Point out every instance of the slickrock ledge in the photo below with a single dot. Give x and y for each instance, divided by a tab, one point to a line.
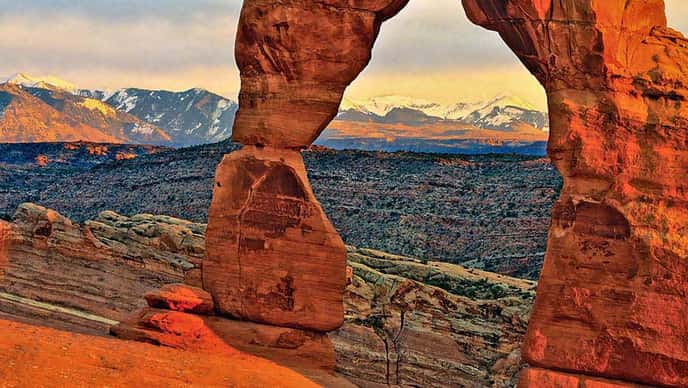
42	357
460	326
104	266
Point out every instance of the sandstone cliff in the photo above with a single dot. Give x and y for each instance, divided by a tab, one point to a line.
612	293
407	321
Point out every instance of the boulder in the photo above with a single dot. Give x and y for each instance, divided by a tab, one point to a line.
180	297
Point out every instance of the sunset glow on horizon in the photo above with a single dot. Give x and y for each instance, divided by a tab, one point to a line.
429	51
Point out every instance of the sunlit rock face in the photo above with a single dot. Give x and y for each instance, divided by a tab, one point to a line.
272	256
296	58
612	298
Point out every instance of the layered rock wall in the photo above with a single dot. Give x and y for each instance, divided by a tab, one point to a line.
103	267
613	290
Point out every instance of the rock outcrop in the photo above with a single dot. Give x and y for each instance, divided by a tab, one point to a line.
429	324
613	293
103	267
272	256
407	321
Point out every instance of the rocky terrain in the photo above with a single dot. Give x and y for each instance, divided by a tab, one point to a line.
488	212
408	321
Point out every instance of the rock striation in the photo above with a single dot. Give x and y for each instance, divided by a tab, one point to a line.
613	292
406	320
272	256
103	267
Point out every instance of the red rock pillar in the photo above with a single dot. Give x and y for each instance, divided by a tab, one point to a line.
613	295
272	256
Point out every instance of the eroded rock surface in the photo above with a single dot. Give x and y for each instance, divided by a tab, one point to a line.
296	58
612	298
182	298
459	327
430	324
103	267
272	254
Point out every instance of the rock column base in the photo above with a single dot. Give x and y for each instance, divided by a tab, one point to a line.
543	378
272	256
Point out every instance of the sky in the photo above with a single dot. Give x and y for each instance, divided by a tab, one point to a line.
429	51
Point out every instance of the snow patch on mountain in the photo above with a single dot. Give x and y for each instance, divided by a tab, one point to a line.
45	82
143	129
194	116
122	101
500	112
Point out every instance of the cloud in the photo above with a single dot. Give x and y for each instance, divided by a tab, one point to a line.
429	50
110	11
122	41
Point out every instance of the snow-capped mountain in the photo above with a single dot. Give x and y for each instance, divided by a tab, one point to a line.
45	82
39	114
195	116
191	117
502	112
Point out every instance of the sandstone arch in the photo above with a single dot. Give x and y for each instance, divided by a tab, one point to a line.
613	294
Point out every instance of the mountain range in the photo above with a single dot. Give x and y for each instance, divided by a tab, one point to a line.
503	112
41	109
44	109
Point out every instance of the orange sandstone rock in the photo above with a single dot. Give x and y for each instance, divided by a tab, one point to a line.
40	357
180	297
613	294
272	256
542	378
296	58
612	299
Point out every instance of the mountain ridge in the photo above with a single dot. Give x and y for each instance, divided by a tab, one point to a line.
504	123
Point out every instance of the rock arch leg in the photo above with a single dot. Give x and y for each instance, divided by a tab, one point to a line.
272	255
613	294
